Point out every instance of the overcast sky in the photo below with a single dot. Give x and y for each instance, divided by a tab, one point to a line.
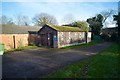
80	10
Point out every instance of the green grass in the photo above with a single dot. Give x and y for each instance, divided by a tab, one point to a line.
103	65
29	47
80	45
22	48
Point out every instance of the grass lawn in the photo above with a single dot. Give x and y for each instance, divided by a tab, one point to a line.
22	48
29	47
103	65
80	45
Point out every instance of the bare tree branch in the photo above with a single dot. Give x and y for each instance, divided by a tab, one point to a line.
22	20
6	20
69	18
44	18
107	14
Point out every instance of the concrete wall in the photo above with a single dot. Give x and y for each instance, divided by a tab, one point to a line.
70	38
89	37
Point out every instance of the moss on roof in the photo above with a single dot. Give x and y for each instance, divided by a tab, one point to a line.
66	28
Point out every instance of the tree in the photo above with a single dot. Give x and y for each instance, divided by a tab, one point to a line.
22	20
117	19
81	24
107	15
26	21
6	20
96	24
69	18
44	18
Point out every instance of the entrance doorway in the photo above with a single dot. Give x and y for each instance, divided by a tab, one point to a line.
51	40
44	40
47	39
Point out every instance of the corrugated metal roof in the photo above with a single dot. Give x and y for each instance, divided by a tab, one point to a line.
12	29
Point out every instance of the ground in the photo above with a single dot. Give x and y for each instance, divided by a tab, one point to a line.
37	63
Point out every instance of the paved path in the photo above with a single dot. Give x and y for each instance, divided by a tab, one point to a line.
36	63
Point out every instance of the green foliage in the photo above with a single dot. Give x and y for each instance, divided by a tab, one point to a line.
97	38
117	19
103	65
29	47
96	24
65	28
82	25
22	48
105	37
32	44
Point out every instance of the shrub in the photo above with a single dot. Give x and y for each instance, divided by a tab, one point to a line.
114	37
105	37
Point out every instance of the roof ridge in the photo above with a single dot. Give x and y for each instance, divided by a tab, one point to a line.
6	29
65	28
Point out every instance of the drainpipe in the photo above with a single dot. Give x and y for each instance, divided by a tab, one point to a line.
14	41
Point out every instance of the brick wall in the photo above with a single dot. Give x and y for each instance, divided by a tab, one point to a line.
19	41
70	38
63	39
33	39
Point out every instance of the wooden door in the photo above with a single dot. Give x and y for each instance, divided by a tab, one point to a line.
44	40
51	40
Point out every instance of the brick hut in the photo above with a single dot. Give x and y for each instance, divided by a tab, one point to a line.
60	36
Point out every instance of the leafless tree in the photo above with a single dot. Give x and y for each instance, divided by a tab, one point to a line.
5	20
44	18
69	18
22	20
107	15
